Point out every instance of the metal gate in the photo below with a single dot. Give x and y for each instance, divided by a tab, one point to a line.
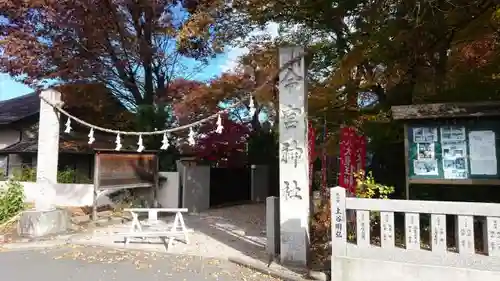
229	186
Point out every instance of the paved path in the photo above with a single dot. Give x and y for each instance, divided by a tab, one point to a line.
76	263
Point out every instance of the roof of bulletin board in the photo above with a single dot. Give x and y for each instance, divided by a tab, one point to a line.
445	110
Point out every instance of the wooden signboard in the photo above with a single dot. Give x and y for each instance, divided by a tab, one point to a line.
115	170
451	143
125	170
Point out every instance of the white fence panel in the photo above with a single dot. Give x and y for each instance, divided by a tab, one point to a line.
390	261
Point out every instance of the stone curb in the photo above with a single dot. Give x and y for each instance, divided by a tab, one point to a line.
319	276
34	245
59	239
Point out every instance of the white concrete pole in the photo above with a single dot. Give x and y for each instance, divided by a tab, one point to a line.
48	148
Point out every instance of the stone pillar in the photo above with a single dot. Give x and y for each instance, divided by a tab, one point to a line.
294	165
170	192
196	189
272	226
48	147
339	230
260	183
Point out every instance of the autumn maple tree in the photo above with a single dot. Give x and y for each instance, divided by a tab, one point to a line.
135	48
196	100
224	149
94	103
255	77
384	53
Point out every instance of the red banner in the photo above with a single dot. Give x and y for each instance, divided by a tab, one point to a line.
346	150
352	157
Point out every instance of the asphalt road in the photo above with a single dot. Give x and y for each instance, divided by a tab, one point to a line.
78	263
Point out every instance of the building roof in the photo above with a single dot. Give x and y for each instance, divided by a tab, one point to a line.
91	102
18	108
445	110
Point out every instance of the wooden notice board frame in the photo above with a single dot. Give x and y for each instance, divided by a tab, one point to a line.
470	117
116	170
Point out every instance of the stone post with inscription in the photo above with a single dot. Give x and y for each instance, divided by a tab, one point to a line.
294	165
339	230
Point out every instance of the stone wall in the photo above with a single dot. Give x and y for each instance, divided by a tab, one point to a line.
74	195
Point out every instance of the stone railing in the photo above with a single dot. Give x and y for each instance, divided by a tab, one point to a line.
365	233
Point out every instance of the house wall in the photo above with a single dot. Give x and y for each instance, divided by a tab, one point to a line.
80	195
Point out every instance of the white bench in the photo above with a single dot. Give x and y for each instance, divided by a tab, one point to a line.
137	228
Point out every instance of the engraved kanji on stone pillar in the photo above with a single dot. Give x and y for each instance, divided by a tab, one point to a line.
294	165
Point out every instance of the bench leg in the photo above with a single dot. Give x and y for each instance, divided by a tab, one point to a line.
152	217
170	242
164	240
173	229
136	225
183	228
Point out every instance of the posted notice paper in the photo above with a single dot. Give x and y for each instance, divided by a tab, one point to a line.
482	153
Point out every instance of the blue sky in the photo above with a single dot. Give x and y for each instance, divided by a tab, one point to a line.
9	88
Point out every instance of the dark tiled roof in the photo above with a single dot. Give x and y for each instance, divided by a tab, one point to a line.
31	146
445	110
19	108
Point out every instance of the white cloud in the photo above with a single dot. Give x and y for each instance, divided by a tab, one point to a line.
235	53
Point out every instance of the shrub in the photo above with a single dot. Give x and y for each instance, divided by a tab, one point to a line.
72	176
24	174
3	175
366	187
11	200
28	174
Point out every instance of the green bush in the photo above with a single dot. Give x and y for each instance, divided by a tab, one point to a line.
3	175
11	200
366	187
72	176
27	174
24	174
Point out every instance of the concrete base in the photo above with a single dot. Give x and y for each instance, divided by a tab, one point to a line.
280	272
34	223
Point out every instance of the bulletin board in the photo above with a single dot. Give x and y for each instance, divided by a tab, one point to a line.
453	151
